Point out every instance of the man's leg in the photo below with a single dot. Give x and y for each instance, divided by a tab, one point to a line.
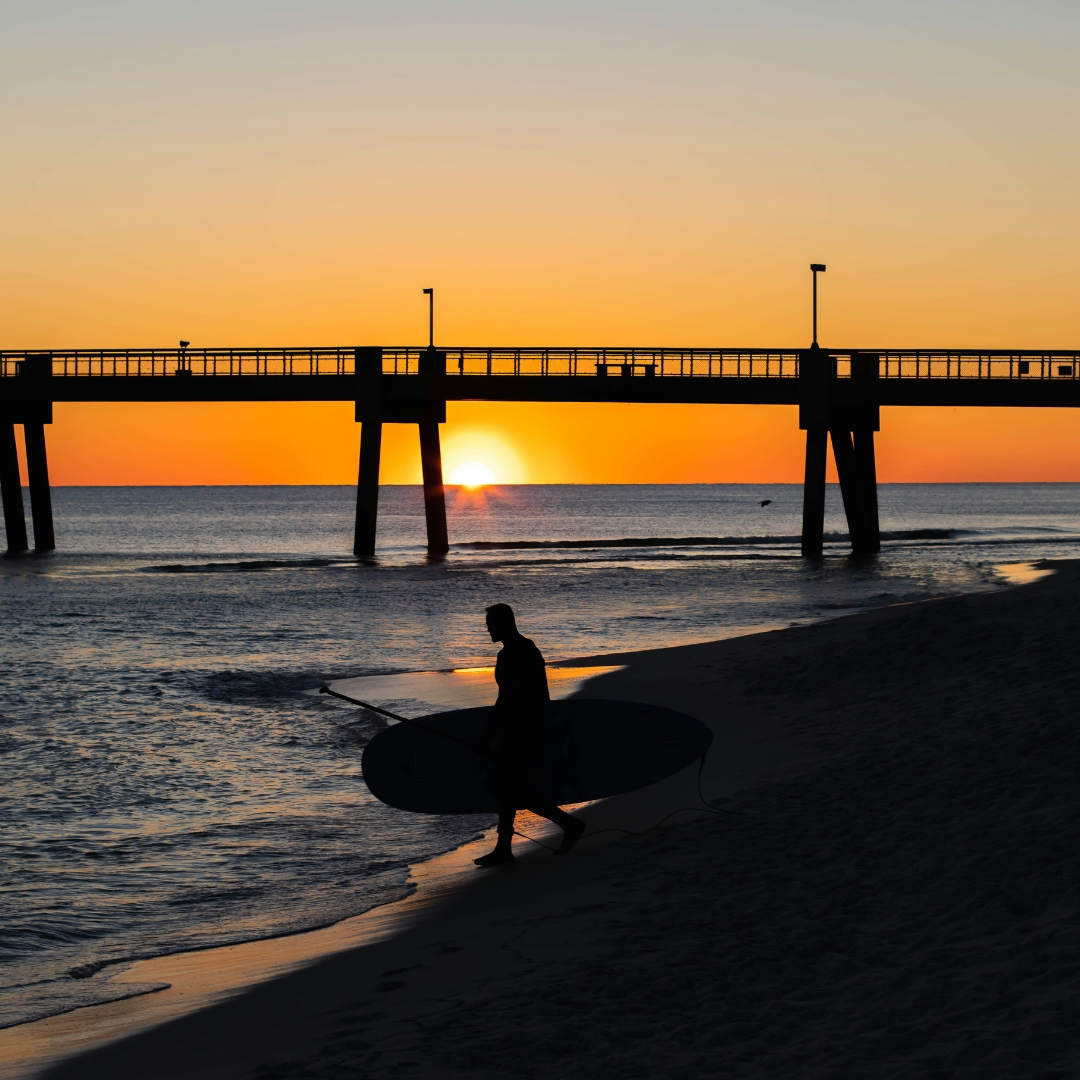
552	813
571	826
508	806
507	815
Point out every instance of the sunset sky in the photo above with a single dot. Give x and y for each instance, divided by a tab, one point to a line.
598	173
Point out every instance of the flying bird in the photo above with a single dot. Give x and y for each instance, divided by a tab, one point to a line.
765	502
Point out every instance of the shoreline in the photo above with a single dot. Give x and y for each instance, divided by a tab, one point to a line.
202	978
185	972
197	979
754	750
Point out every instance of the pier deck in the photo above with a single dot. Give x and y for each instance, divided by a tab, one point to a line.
839	393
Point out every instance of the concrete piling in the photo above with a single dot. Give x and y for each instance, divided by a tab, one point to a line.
434	494
367	488
813	523
11	488
37	468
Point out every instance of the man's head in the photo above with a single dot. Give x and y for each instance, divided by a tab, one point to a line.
500	622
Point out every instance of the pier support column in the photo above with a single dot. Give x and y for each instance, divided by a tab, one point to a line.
35	376
866	470
367	488
813	514
850	489
37	468
369	415
434	495
815	370
11	487
865	372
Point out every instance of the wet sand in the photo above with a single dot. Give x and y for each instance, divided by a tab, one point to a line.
889	887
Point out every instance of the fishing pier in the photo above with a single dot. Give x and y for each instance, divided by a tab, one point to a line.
839	394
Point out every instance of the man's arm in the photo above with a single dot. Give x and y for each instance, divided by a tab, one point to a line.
491	728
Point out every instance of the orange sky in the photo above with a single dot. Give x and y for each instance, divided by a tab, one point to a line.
602	174
528	443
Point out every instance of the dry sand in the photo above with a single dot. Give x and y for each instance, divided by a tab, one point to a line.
893	891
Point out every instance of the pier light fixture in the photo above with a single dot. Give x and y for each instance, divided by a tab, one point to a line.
183	367
430	294
815	269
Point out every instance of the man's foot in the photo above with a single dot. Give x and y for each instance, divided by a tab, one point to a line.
571	836
495	858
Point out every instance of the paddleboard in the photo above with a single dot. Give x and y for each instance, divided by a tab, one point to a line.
595	749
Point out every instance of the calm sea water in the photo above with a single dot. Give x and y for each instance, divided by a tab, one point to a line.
167	781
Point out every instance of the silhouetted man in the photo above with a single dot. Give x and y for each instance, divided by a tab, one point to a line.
518	730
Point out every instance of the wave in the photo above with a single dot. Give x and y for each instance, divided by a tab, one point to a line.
254	687
764	544
924	534
691	541
626	542
659	558
249	566
57	997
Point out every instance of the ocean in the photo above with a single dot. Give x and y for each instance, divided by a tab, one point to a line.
168	780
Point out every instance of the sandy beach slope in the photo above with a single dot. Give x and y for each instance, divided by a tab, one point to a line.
892	892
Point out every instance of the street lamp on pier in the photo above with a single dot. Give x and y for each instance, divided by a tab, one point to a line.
430	294
815	269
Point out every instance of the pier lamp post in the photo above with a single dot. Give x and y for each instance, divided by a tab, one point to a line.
815	269
430	294
183	367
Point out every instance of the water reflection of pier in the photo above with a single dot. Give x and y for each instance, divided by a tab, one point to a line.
839	393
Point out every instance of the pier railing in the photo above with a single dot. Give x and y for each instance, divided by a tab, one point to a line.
933	364
406	361
613	363
951	364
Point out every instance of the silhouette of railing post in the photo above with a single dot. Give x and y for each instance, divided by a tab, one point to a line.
11	488
38	367
369	413
433	390
814	374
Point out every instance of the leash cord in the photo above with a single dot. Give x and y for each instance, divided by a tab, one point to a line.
705	805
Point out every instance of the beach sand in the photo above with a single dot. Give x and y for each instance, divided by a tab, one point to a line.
889	887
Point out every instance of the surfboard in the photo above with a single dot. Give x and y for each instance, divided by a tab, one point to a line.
595	748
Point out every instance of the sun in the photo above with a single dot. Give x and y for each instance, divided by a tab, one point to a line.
477	458
472	474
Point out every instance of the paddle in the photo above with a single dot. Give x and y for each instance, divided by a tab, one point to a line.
403	719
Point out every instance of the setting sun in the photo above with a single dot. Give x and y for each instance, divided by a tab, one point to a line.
476	454
472	474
